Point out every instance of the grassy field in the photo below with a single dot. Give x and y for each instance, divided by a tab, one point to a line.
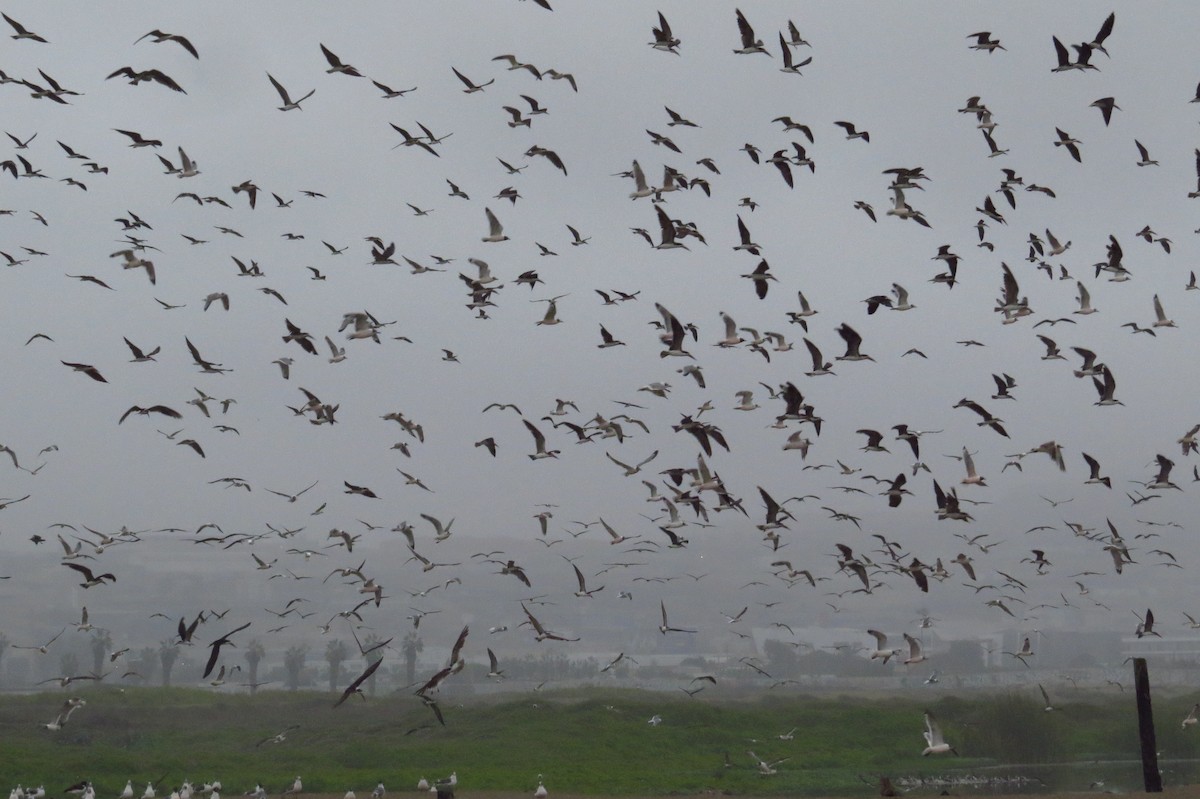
595	742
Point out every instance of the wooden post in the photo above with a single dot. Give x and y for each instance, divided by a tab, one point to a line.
1151	776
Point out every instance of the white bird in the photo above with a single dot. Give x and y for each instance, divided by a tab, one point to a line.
551	316
1191	719
441	531
881	652
187	167
134	262
337	354
539	441
1055	247
972	478
495	229
902	210
1025	651
1045	698
632	470
935	744
1085	300
763	766
494	666
64	714
1160	317
915	655
541	792
745	401
639	180
901	294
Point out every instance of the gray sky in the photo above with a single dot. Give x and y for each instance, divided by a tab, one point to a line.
898	74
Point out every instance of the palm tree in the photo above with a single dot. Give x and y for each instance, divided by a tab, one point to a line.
336	653
254	654
373	655
411	646
146	664
101	644
168	651
69	663
293	664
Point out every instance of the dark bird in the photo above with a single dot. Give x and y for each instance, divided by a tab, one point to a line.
161	36
471	87
216	649
542	633
162	409
92	279
665	627
152	75
853	344
288	103
361	491
663	38
1106	106
761	277
21	31
1105	29
852	132
86	369
137	140
1072	145
1146	625
336	65
390	93
984	41
300	337
191	442
353	687
750	44
91	580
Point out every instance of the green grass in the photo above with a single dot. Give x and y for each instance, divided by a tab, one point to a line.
587	741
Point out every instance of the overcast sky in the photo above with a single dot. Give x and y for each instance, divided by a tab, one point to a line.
901	72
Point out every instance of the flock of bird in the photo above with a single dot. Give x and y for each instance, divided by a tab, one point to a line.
242	350
84	789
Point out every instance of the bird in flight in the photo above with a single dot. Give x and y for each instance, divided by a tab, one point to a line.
288	103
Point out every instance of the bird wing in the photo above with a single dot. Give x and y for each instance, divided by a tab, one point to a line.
279	88
352	687
539	439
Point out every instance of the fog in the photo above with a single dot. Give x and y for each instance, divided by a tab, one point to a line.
208	515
